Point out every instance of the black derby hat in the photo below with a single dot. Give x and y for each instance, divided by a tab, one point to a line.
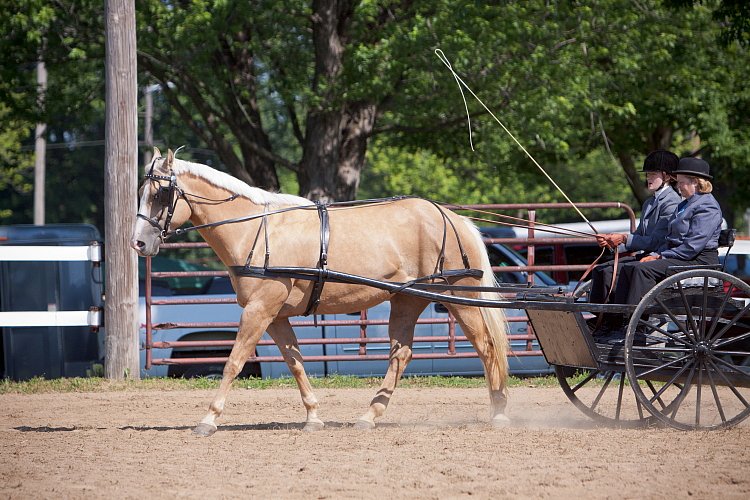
694	166
660	160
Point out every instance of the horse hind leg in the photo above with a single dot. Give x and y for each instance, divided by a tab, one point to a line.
405	311
486	329
283	335
253	323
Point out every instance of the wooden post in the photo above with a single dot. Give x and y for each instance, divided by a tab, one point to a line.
120	187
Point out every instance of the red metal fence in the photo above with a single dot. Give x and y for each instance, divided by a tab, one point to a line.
363	340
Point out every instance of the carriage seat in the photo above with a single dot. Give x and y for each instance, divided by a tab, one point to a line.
726	239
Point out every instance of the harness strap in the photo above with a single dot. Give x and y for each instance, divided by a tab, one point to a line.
314	274
464	256
614	275
320	280
440	264
262	226
451	273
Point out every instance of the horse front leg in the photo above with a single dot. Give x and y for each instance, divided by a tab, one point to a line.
283	335
405	311
253	322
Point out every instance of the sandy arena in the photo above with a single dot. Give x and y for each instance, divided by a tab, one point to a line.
432	443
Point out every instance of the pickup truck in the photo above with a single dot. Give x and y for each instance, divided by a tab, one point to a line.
436	325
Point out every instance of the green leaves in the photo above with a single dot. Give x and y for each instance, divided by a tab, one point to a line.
242	79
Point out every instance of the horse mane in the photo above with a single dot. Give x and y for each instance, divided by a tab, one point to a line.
232	184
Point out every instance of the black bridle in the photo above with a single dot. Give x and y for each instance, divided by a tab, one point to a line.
166	197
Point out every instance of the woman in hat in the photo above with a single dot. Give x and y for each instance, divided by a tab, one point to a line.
648	236
692	236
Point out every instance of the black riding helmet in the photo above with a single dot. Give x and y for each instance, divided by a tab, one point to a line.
660	160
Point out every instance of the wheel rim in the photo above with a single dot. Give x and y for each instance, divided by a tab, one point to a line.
695	371
604	397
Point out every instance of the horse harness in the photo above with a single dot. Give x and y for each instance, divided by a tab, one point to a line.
320	274
167	197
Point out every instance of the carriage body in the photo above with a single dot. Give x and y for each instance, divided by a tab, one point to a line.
689	369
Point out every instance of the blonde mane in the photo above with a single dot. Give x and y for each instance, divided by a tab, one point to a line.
234	185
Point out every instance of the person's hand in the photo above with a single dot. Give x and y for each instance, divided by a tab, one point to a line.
649	258
616	239
610	240
602	240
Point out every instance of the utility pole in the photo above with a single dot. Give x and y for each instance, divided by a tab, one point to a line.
120	186
40	147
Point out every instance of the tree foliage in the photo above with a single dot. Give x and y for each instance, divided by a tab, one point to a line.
312	95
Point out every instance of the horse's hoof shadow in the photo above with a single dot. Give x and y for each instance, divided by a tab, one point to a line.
364	425
204	430
313	427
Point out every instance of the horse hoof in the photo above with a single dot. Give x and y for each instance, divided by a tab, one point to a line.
500	421
204	430
313	426
364	425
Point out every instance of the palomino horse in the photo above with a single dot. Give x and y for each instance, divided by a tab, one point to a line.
396	241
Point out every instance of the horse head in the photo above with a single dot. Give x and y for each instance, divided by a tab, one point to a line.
162	204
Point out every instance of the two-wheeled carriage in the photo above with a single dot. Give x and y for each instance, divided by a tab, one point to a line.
686	354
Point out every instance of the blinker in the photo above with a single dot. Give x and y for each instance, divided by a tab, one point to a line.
163	196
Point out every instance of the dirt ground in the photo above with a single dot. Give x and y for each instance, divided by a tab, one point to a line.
432	443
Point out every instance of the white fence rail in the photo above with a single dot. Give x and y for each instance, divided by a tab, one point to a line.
23	253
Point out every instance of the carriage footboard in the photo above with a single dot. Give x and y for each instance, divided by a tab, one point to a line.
562	335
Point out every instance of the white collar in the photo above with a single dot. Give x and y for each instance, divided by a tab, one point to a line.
661	189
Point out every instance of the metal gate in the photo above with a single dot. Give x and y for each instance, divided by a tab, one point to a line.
363	322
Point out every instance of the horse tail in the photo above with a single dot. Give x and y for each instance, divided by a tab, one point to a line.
494	317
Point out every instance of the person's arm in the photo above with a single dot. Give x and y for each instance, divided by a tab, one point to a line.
703	224
650	242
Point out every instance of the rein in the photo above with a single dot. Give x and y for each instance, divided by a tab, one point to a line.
168	196
354	203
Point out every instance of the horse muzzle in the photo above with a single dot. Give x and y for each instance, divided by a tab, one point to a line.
145	240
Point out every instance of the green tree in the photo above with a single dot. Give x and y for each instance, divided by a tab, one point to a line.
295	93
69	39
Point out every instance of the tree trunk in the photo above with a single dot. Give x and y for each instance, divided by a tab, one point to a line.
355	133
335	133
634	177
660	138
120	186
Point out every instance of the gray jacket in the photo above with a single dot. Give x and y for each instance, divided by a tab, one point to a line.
652	228
694	227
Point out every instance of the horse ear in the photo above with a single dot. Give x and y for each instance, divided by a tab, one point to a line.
170	159
157	153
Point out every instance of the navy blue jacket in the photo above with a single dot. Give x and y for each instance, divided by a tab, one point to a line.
655	216
694	227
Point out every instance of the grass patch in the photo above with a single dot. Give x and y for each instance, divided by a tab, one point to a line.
97	384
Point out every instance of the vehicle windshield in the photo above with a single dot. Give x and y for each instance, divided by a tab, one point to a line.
176	286
502	256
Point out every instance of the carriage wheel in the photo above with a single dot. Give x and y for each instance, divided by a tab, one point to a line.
604	396
694	371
